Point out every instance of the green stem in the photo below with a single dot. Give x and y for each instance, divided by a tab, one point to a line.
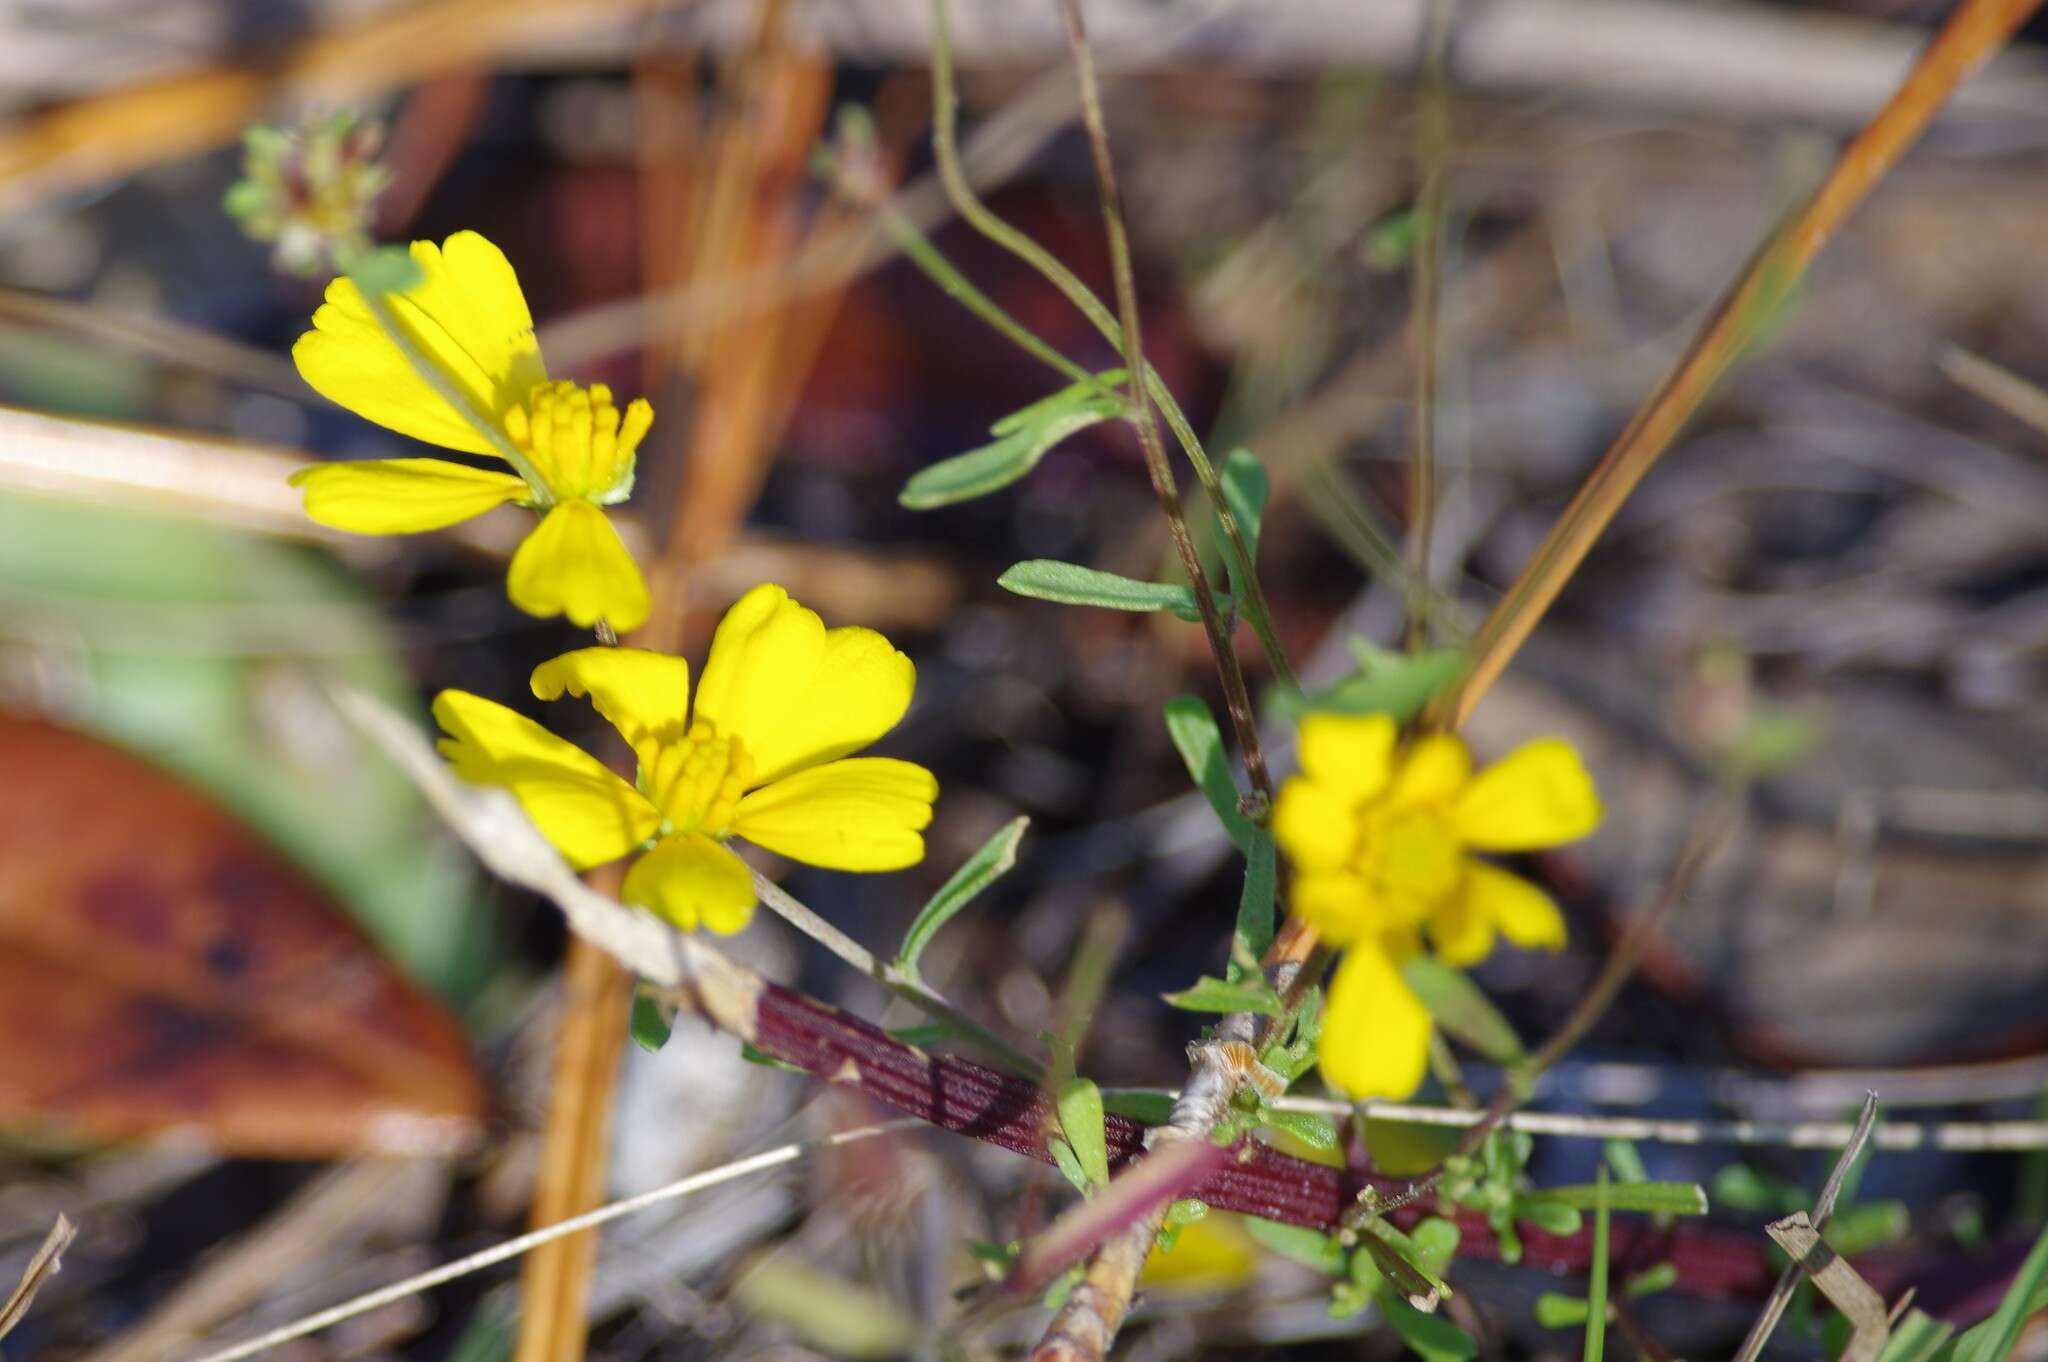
946	150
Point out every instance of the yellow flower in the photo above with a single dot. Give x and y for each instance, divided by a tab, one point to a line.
1380	840
468	319
763	755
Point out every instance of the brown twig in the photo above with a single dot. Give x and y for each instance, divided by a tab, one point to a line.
1432	135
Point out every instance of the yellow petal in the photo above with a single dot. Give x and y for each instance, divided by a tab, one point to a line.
1524	914
1462	930
1208	1255
590	814
1375	1030
401	496
575	564
1314	824
467	318
794	693
1435	768
1337	904
645	695
1539	795
1352	754
692	880
864	813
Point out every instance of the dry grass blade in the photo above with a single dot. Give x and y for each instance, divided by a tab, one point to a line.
46	1264
1832	1276
548	1234
1999	386
1823	1208
1976	30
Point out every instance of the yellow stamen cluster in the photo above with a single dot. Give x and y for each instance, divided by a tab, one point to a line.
577	441
697	780
1409	859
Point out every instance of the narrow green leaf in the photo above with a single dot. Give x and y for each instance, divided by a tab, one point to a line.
1048	579
651	1023
1199	740
1994	1339
1023	438
1460	1008
1867	1225
1080	1108
1432	1337
1916	1338
1244	490
1657	1198
1555	1310
1596	1294
1256	905
1069	398
1310	1247
1146	1108
975	874
387	269
1625	1160
1069	1163
1391	1255
753	1054
925	1033
1211	994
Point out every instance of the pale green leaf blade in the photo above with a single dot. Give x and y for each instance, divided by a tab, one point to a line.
1210	994
1199	740
1080	1108
1460	1008
996	856
1048	579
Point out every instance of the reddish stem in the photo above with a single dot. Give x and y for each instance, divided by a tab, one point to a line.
964	1097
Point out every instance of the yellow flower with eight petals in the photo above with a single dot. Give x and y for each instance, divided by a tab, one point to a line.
763	755
1380	840
468	319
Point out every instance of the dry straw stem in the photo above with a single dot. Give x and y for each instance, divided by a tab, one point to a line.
46	1263
1823	1209
1976	30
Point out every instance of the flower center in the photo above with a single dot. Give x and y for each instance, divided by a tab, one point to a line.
1410	858
697	780
577	441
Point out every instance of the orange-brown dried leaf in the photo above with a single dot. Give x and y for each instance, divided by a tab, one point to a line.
163	969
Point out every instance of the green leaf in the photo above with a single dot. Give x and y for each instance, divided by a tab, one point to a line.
1255	906
1552	1217
1073	397
1596	1294
1069	1163
975	874
387	269
1211	994
1555	1310
1657	1198
1867	1225
1436	1243
1313	1130
1147	1108
1625	1160
1742	1187
1386	683
1432	1337
1993	1340
925	1033
1023	438
1062	1286
1310	1247
753	1054
1199	740
1460	1008
651	1022
1651	1280
1916	1338
1048	579
1080	1108
1244	491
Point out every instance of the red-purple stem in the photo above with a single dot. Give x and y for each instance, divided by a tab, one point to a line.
966	1098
